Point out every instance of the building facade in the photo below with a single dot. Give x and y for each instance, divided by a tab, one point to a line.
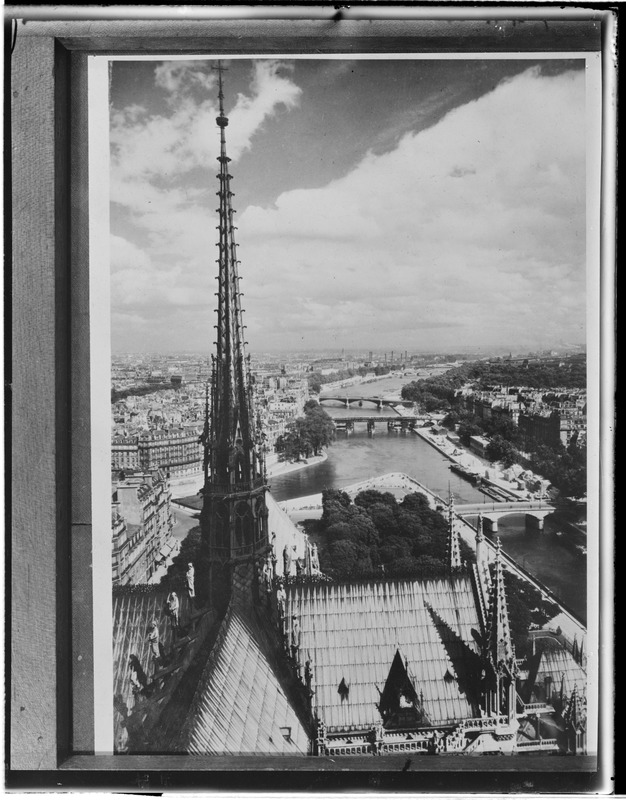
142	525
176	451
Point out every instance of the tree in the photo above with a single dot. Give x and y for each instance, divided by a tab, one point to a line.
405	567
427	566
468	429
393	548
451	419
343	558
335	507
294	444
342	530
505	428
370	497
317	428
415	503
499	449
384	519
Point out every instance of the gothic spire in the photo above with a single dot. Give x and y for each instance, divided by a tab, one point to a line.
453	548
499	644
233	459
234	512
573	713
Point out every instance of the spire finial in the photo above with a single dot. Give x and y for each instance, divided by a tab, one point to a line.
222	120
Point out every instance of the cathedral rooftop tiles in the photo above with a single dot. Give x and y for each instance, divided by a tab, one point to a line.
351	632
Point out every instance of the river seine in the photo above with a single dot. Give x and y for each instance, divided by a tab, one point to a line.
358	456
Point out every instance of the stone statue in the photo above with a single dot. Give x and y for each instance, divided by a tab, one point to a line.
287	561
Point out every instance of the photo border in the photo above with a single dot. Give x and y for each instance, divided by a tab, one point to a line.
50	726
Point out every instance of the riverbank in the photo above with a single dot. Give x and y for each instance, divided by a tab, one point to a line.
275	467
399	484
490	474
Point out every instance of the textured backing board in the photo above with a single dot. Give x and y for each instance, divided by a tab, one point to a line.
40	405
81	557
327	36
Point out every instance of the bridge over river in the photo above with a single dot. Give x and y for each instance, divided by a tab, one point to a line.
534	511
379	402
399	422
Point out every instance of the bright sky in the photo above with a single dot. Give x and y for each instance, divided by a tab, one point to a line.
391	204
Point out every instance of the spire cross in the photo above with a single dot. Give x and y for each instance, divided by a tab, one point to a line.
220	69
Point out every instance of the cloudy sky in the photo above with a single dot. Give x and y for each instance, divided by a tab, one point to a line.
389	204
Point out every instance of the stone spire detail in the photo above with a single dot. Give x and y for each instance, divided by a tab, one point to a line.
575	720
453	545
500	696
482	562
234	513
572	713
499	643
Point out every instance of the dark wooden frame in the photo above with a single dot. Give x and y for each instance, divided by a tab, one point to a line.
51	695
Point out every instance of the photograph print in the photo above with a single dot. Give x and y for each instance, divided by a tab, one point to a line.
350	331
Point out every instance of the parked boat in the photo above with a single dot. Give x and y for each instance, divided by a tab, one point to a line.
469	474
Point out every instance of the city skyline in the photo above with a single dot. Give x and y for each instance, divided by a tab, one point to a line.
439	204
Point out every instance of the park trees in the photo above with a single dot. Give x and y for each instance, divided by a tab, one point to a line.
306	435
406	539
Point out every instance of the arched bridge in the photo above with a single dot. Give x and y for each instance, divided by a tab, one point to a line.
534	510
399	422
379	402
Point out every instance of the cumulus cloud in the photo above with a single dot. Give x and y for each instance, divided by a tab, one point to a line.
151	153
469	232
479	221
183	76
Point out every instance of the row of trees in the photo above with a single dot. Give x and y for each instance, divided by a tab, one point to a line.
307	435
437	393
569	372
432	394
377	535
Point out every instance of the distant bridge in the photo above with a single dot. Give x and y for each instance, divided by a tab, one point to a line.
400	422
534	510
379	402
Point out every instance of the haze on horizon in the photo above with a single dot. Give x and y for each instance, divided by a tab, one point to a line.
409	205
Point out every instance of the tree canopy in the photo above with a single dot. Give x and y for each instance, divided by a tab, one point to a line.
386	537
438	393
307	435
